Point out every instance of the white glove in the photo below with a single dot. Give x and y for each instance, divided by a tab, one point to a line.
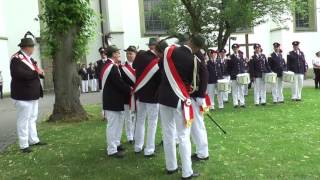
200	101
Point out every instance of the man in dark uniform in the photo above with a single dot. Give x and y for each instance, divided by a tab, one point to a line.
258	68
236	66
198	129
172	119
277	65
215	69
92	77
297	64
222	58
147	102
100	64
128	75
26	89
114	92
83	72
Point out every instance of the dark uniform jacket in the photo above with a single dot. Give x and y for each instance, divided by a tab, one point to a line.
84	74
148	93
115	90
235	66
128	81
224	64
296	63
183	60
277	64
202	77
258	65
92	73
215	70
100	64
25	83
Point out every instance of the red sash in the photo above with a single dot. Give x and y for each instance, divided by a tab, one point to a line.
146	75
178	86
105	72
26	61
130	72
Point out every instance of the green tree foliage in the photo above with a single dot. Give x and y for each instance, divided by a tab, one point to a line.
217	19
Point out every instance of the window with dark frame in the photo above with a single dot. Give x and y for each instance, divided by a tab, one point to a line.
153	24
305	19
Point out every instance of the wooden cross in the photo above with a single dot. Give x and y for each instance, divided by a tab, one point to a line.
247	45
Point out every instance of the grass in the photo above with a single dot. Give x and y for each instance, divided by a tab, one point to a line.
272	142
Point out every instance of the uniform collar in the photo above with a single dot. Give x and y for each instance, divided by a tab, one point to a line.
188	48
25	54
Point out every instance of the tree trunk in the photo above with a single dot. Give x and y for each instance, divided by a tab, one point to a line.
67	106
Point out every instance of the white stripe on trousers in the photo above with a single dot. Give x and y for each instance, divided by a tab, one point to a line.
277	90
27	115
199	132
84	86
297	86
113	130
237	93
93	84
172	122
146	111
260	92
129	120
212	91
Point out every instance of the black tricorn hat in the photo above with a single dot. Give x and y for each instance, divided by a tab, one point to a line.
161	46
131	49
295	43
255	46
27	41
276	45
111	49
198	40
152	41
235	46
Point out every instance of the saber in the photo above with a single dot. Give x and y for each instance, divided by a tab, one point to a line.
224	132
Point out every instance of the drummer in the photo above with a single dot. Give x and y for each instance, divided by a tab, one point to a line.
236	66
222	58
277	65
258	68
215	72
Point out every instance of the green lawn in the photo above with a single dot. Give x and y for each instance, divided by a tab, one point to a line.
272	142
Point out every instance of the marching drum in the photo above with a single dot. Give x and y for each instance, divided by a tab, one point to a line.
288	76
224	85
271	78
243	78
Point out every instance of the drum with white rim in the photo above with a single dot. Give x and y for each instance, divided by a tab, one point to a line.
288	76
224	85
270	78
243	78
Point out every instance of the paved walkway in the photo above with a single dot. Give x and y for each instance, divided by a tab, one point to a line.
8	115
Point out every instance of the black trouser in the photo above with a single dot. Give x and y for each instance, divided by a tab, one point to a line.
317	78
1	93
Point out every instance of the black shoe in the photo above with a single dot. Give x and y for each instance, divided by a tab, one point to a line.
243	106
131	142
294	99
172	172
117	155
26	150
150	155
282	102
257	104
39	144
195	157
275	102
235	106
211	110
194	175
120	148
263	104
226	102
298	99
